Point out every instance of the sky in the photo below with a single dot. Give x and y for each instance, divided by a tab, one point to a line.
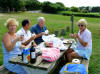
76	3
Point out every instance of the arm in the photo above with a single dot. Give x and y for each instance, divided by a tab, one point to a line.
40	34
80	40
7	42
28	41
34	44
33	30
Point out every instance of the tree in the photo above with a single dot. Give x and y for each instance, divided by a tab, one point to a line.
12	4
67	8
33	5
60	6
49	7
45	6
74	9
96	9
84	10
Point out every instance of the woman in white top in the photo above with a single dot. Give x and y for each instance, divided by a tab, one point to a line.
84	43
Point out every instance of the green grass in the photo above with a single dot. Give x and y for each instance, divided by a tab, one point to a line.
57	22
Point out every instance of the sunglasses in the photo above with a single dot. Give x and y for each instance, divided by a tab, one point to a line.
81	25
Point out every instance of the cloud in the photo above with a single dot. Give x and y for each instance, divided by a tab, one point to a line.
77	3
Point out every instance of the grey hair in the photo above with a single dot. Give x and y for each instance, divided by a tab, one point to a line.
41	18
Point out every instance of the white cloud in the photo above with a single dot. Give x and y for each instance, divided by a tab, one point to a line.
77	3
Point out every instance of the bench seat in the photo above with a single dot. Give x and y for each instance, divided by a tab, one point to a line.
3	70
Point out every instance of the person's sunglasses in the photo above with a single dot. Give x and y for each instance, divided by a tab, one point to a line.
81	25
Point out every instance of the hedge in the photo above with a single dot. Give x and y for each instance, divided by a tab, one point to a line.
67	13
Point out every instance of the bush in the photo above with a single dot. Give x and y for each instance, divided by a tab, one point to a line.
60	6
12	5
67	13
74	9
33	5
49	7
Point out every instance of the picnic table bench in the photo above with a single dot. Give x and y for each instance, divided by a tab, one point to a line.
3	70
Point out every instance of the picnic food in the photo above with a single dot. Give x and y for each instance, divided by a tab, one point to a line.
46	44
68	41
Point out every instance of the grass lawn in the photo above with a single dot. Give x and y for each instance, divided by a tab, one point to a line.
57	22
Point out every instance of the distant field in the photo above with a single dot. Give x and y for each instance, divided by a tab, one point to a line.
57	22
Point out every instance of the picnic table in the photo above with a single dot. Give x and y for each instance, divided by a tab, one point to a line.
40	66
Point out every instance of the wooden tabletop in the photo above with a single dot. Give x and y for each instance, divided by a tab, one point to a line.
38	64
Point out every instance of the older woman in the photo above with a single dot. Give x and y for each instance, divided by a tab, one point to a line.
11	44
84	42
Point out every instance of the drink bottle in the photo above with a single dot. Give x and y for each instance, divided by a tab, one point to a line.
32	54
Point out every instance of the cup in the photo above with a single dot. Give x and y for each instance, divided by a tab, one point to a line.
22	37
46	31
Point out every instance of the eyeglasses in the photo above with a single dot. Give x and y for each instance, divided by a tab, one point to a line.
81	25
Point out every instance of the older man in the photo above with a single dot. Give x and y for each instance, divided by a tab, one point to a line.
39	30
84	42
28	37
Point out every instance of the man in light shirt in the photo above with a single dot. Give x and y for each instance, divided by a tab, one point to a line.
24	31
84	43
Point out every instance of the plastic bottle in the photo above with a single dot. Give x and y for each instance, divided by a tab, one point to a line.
25	53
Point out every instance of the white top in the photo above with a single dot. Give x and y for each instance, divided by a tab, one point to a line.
27	35
86	37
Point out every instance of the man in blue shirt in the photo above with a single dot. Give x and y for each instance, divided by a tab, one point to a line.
39	30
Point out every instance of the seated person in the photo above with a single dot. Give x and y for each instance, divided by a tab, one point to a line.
84	43
39	30
11	47
28	37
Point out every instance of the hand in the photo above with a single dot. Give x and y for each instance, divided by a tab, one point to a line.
75	35
33	36
23	46
46	31
20	38
71	35
35	45
42	33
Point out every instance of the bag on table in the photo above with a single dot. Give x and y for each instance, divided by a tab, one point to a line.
51	54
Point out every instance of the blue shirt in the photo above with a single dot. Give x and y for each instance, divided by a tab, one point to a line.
37	30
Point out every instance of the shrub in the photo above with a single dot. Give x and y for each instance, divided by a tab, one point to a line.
33	5
49	7
74	9
67	13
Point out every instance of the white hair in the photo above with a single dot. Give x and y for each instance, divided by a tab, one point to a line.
41	18
83	21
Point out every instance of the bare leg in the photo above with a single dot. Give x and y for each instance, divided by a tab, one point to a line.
67	53
73	55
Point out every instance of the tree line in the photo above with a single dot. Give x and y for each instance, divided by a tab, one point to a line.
47	7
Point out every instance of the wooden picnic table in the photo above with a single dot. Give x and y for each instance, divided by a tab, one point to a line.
40	66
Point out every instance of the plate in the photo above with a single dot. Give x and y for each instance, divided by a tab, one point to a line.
67	41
